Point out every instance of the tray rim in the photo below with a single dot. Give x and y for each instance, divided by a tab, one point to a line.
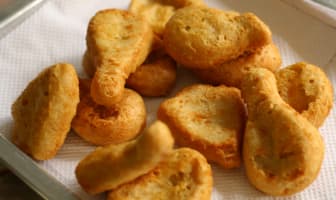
20	13
39	183
33	175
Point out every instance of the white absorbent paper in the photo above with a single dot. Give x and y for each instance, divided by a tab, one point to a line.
56	33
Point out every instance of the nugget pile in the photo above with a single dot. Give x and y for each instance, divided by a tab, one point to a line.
248	111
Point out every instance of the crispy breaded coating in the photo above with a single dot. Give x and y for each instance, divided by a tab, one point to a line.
282	150
88	66
209	119
111	166
184	175
117	43
307	89
201	37
155	77
102	125
232	72
42	114
158	12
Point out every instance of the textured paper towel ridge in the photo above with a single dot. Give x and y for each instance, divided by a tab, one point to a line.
57	31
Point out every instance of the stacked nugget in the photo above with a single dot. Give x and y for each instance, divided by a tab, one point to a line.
157	76
282	150
117	43
220	46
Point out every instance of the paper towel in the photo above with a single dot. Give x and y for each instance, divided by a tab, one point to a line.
56	33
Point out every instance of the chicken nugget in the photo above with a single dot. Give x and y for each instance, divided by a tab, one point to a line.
282	150
202	37
42	114
307	89
111	166
88	66
117	43
155	77
158	12
231	73
102	125
209	119
184	175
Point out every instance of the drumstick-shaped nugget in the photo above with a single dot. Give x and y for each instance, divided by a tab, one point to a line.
282	150
117	43
108	167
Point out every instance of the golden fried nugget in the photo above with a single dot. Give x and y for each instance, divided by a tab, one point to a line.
307	89
201	37
111	166
183	3
184	175
109	125
156	77
158	12
88	66
231	73
117	43
209	119
282	150
42	114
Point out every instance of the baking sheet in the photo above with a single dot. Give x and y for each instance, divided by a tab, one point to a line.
13	12
56	33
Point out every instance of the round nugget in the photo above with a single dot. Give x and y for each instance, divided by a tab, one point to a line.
156	77
232	72
184	175
307	89
43	112
202	37
209	119
109	125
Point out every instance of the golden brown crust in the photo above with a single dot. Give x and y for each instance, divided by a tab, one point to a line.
117	43
109	125
155	77
231	73
158	12
110	166
88	66
282	150
43	112
201	37
307	89
209	119
184	175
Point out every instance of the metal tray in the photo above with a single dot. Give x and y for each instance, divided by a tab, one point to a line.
35	177
13	12
299	36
